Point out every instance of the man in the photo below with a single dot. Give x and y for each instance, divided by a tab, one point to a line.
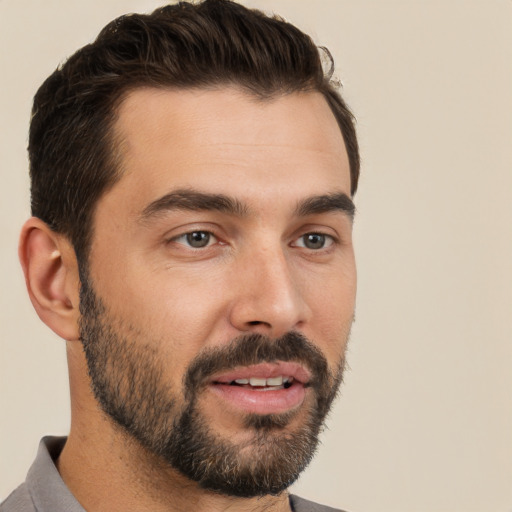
192	173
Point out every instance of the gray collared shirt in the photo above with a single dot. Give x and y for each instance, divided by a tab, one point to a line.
45	491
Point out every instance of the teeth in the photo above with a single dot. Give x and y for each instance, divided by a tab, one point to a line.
260	382
254	381
275	381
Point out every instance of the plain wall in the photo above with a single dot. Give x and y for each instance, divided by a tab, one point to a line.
424	422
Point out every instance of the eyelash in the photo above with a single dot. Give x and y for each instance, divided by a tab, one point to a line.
208	235
186	236
327	239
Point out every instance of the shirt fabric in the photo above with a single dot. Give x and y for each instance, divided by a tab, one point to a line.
45	491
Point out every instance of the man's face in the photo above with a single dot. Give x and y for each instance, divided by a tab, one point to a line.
220	287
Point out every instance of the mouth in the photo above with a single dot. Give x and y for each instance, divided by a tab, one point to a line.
263	384
268	388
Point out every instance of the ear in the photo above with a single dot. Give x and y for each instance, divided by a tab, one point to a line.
51	275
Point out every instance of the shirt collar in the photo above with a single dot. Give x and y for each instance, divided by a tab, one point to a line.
45	485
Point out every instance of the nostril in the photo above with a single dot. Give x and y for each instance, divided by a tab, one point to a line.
257	322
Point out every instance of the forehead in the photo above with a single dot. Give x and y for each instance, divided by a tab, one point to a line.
226	140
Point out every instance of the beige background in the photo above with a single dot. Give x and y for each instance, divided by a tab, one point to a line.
425	420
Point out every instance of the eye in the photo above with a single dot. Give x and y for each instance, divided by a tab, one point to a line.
196	239
314	241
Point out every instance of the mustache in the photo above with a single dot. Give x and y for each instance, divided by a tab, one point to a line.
249	349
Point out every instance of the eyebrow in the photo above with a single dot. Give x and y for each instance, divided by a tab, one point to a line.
193	200
338	201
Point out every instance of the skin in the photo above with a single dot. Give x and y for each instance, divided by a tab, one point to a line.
255	275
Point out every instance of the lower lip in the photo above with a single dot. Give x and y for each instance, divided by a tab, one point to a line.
258	401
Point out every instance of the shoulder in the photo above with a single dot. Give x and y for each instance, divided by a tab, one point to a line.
18	501
302	505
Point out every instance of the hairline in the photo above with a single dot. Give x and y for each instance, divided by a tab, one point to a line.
114	140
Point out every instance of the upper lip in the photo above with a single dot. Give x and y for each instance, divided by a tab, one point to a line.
265	371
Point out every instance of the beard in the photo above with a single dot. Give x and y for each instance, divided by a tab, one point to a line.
128	379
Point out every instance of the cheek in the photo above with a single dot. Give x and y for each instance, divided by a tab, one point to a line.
333	305
177	308
333	334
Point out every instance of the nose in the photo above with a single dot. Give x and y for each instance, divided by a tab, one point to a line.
269	298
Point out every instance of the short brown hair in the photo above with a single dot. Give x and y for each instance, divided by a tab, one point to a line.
185	45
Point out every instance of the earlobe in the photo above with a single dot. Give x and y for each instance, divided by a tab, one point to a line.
51	275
